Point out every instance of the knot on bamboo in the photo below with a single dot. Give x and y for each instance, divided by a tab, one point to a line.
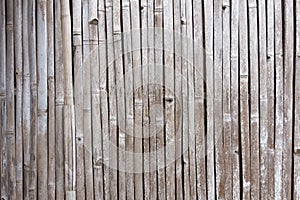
93	21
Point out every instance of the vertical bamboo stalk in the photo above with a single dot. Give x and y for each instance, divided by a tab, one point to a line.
226	6
254	101
244	105
208	24
169	97
18	95
288	16
278	99
78	93
234	60
26	101
199	98
178	102
51	100
3	154
42	152
10	101
59	102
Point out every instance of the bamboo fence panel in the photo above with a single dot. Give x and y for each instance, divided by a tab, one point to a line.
150	99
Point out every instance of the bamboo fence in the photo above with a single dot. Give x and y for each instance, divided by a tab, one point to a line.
150	99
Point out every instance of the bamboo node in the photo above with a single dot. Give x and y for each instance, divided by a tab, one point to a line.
42	112
9	26
94	21
9	133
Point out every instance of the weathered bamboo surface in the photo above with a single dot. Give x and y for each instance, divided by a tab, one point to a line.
150	99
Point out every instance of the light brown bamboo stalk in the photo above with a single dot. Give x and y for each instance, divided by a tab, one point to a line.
26	101
208	24
34	100
263	100
78	93
218	121
103	94
152	128
297	107
3	155
69	129
10	101
145	87
254	101
158	59
42	150
129	96
244	105
178	102
169	98
288	16
199	98
51	100
270	93
278	99
59	102
18	95
226	100
87	124
234	102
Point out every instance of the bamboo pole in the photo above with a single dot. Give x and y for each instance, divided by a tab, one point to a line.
59	102
10	101
51	100
254	101
78	93
288	23
3	146
226	6
34	101
278	99
234	93
178	102
18	48
244	105
26	101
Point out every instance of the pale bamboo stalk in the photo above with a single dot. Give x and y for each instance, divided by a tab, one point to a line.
10	101
270	93
208	24
26	101
78	94
129	96
288	16
263	100
254	101
152	128
120	94
69	121
234	57
103	95
226	100
158	61
87	124
42	150
178	102
51	100
3	154
34	101
95	87
297	107
218	121
185	114
279	100
111	100
199	98
169	98
145	86
244	105
18	95
59	102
